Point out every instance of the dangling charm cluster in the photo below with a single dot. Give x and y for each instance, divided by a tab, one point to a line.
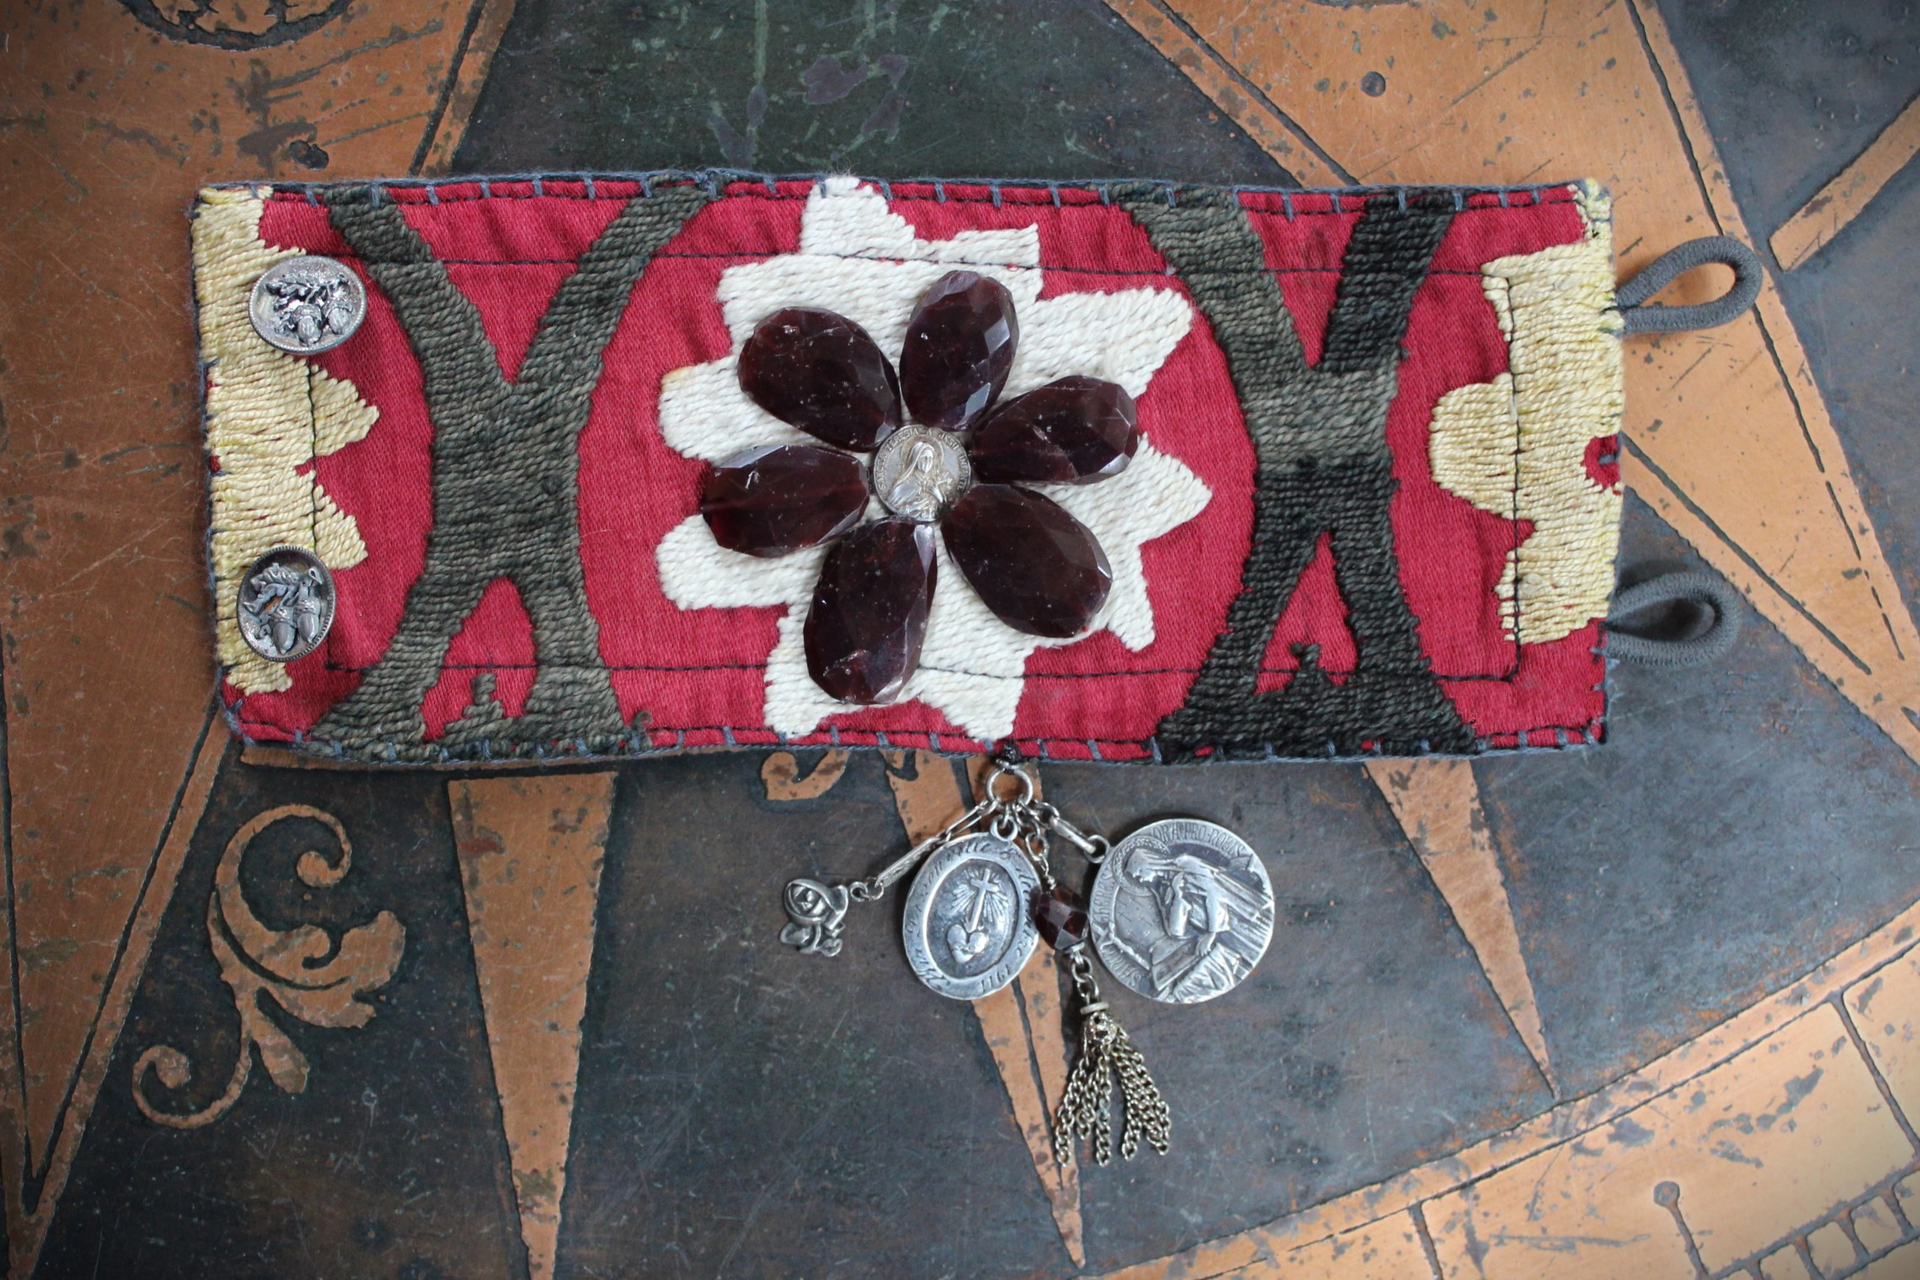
1184	915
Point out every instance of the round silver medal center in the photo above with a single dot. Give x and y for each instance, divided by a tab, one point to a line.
920	472
969	917
285	604
307	304
1182	911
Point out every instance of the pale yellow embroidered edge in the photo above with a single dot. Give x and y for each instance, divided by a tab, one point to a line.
268	414
1517	445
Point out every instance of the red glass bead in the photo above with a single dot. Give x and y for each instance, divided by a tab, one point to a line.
869	614
1061	917
959	349
821	373
1036	567
773	500
1074	431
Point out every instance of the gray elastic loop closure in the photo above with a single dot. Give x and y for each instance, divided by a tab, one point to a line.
1639	317
1644	610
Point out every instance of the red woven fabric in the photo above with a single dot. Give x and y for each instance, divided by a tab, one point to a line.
697	674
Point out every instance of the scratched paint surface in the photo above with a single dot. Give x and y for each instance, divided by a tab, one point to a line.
1743	824
392	1160
1052	89
113	114
744	1112
1818	84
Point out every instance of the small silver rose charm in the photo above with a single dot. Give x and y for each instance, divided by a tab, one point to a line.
307	304
1182	911
285	604
817	915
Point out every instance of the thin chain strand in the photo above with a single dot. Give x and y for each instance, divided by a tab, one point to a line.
1106	1054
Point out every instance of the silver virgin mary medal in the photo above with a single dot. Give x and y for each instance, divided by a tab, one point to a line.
1182	911
969	924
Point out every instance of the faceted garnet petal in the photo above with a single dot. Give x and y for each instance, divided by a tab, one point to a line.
869	613
1036	567
821	373
1074	431
959	349
776	499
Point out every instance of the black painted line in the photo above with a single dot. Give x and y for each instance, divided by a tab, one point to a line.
1695	510
1248	87
439	112
1667	1195
1418	1212
1873	1068
1673	109
119	953
13	947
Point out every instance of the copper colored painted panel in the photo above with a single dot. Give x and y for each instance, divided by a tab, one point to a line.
530	855
112	123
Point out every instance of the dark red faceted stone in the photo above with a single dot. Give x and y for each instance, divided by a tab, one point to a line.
869	611
1061	917
1074	431
1039	570
821	373
772	500
959	349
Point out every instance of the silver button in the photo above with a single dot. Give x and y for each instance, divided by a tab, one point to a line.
307	304
285	604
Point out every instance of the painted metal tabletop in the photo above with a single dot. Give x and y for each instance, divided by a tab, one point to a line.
1642	1010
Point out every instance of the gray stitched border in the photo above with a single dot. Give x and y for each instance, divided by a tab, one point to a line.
714	180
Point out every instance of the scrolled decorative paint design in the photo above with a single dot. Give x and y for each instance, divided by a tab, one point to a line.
303	970
226	25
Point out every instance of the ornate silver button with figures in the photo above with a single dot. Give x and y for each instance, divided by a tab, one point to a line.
919	472
969	927
307	304
1182	911
285	604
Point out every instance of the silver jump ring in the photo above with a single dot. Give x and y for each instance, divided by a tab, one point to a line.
1026	786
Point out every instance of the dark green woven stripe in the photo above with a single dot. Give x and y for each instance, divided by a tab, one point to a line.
1323	467
505	470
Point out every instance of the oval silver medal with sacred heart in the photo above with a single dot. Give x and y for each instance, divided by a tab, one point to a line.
969	924
1182	911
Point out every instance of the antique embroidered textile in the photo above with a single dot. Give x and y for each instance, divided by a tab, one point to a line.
1374	507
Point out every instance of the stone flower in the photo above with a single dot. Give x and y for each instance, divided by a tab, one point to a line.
1006	409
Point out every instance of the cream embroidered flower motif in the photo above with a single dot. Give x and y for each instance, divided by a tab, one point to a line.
861	263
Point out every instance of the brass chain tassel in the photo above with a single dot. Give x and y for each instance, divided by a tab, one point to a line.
1104	1047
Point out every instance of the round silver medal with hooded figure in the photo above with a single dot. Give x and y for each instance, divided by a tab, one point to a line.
919	472
1182	911
969	924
